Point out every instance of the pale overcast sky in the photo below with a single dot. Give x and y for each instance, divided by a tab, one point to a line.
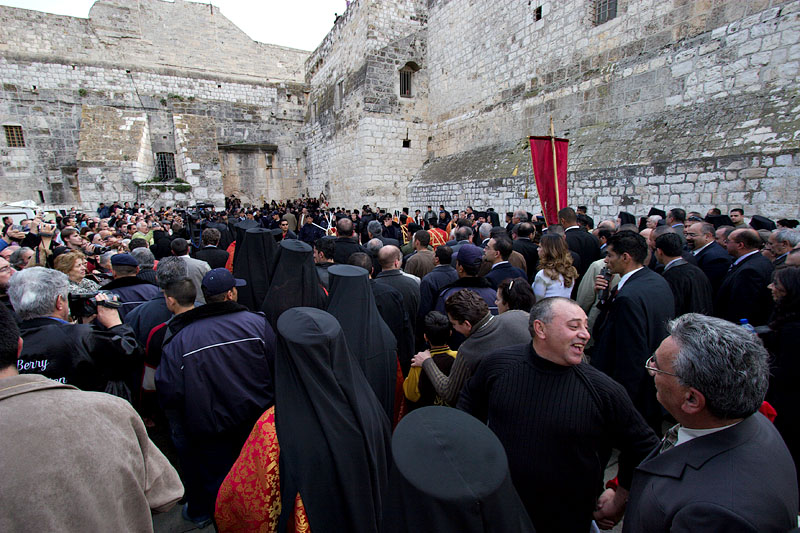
295	23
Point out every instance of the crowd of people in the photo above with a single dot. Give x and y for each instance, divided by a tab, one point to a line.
297	366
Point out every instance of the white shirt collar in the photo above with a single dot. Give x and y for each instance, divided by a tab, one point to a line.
572	227
668	264
498	264
687	434
695	252
745	256
626	277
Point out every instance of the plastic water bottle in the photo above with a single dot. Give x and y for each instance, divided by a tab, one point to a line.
747	325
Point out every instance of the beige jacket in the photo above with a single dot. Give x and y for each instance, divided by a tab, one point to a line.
77	461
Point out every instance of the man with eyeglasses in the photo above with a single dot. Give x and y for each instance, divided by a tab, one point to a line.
711	257
724	466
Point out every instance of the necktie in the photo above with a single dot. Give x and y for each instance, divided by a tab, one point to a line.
670	438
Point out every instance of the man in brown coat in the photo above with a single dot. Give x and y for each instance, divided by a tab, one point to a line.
421	263
74	460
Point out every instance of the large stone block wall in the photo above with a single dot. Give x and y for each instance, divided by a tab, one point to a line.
52	67
662	86
355	135
148	34
766	184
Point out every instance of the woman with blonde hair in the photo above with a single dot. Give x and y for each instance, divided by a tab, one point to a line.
73	264
556	275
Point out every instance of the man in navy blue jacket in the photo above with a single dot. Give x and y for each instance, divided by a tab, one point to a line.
214	381
498	250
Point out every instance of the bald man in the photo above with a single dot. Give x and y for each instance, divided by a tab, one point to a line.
390	258
743	292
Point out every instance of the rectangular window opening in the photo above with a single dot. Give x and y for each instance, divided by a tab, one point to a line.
41	197
604	10
340	95
406	143
405	83
537	13
14	137
165	166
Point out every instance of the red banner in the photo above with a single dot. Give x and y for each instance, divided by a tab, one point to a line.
542	158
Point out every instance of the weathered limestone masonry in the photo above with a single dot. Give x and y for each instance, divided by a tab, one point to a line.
672	103
98	98
365	140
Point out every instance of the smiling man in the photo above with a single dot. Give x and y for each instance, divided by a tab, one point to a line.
556	417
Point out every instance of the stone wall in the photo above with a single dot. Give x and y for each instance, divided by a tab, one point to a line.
688	103
364	141
138	60
148	34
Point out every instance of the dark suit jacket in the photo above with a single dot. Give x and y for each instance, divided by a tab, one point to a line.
690	287
212	255
406	286
714	261
530	252
628	331
738	479
388	240
585	245
744	293
343	248
780	262
502	272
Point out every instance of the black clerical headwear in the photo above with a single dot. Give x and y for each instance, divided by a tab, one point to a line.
371	341
295	282
758	222
333	434
255	263
719	220
450	474
626	218
240	229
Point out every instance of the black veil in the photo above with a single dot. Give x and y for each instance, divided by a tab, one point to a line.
295	282
333	434
240	228
255	263
371	341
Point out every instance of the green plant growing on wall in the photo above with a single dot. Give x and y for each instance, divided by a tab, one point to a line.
82	92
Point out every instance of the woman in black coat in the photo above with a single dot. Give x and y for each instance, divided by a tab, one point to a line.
781	341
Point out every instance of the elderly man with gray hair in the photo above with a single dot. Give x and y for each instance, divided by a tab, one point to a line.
375	230
146	260
781	241
84	355
724	466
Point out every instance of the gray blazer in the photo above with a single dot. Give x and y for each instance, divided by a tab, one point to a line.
739	479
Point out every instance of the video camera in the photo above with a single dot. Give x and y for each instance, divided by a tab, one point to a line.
84	305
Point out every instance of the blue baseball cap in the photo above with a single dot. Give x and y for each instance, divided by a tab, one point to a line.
469	254
123	260
220	280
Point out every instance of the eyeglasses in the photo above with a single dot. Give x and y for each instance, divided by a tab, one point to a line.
651	368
